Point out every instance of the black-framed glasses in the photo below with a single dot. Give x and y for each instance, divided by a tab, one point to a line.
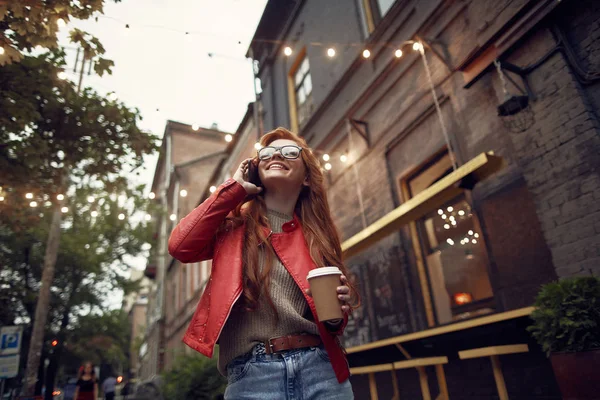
288	151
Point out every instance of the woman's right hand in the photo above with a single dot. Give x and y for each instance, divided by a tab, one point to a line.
242	174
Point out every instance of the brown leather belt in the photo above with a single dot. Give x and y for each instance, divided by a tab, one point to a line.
291	342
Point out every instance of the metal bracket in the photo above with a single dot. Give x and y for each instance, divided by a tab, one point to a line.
362	128
515	69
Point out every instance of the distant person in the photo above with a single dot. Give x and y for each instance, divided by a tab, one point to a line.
108	387
87	384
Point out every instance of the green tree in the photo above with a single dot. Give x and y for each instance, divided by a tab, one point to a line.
59	138
26	24
193	377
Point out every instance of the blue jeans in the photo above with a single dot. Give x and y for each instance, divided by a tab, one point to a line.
303	374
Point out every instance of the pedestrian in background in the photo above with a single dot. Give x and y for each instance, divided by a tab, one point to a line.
87	384
108	387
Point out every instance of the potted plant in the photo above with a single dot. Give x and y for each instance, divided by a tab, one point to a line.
566	324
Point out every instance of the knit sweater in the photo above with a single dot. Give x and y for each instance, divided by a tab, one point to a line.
245	329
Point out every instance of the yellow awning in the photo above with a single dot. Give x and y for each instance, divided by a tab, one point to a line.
465	177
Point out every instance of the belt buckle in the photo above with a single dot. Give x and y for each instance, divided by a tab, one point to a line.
270	345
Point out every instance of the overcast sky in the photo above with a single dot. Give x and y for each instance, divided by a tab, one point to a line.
158	66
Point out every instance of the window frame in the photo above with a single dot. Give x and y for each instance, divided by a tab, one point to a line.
293	89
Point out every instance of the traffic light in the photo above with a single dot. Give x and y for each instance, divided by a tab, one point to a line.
119	379
54	343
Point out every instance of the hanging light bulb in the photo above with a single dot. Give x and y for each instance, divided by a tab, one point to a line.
62	75
440	211
331	52
64	210
470	232
195	127
212	189
94	213
1	198
417	46
446	226
112	96
476	235
257	146
450	209
61	23
91	199
121	216
287	51
461	212
148	217
366	53
183	193
328	166
151	195
450	242
1	51
33	204
398	53
343	158
29	195
60	197
228	138
325	157
172	217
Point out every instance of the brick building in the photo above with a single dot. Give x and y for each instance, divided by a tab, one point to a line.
485	250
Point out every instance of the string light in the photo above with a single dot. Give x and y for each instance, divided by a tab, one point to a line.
172	217
29	195
470	232
366	53
398	53
121	216
94	213
325	157
212	189
61	23
461	212
228	138
1	198
444	216
257	146
287	51
1	50
474	241
183	193
417	46
60	197
64	210
151	195
195	127
476	235
33	204
62	75
112	96
91	199
343	158
450	242
148	217
331	52
440	211
446	226
327	166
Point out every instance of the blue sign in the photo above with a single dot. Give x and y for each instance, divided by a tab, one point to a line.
10	339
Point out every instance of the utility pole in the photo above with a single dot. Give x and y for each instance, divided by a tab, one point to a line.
52	244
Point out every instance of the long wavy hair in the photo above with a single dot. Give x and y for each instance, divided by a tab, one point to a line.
312	208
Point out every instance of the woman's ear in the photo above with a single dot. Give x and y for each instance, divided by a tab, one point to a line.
306	181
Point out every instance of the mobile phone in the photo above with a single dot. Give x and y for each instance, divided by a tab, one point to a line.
253	173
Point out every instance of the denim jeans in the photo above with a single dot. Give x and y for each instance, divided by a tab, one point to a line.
303	374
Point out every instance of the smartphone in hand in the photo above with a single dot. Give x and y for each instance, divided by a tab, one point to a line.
253	174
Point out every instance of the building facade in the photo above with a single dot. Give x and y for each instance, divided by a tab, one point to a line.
397	96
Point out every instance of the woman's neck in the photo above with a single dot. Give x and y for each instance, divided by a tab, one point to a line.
282	201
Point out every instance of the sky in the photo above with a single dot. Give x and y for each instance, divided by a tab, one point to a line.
167	74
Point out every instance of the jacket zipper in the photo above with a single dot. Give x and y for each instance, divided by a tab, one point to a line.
226	318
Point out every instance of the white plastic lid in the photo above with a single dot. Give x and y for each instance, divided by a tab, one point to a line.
323	271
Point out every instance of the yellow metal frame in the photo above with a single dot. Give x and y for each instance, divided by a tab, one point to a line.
292	90
429	199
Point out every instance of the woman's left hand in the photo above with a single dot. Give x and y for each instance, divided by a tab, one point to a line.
343	294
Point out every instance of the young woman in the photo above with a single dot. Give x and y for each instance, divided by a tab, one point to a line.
265	229
87	385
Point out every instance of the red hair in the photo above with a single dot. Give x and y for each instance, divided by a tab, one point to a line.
312	208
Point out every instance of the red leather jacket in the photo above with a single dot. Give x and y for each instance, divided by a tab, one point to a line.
195	239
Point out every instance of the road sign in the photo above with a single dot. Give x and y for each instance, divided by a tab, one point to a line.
10	340
9	366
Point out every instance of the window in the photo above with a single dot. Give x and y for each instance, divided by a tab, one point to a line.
300	92
375	10
452	249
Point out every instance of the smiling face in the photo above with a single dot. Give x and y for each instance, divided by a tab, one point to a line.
279	172
87	368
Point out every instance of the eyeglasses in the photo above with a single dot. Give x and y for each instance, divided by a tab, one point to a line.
289	151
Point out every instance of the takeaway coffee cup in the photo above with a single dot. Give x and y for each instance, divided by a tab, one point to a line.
323	286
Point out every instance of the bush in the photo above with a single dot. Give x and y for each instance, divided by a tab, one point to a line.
193	377
567	317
